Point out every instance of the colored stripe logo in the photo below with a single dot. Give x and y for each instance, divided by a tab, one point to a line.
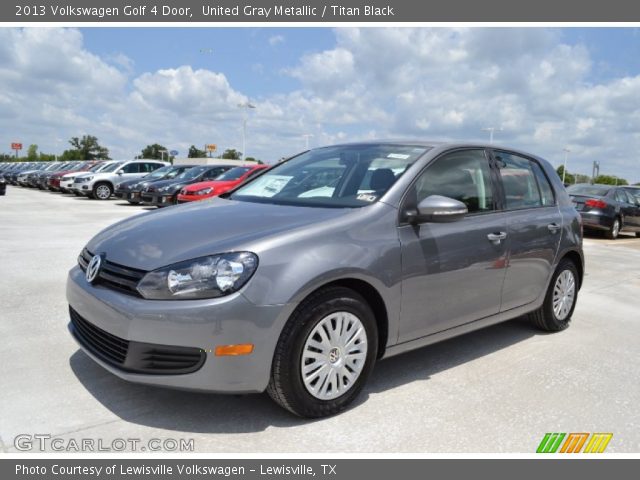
573	442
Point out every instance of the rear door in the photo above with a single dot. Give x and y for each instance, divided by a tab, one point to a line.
534	227
453	272
628	209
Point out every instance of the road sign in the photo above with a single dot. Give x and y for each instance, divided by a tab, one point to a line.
173	153
211	147
16	146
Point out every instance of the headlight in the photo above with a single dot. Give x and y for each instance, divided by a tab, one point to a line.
204	191
205	277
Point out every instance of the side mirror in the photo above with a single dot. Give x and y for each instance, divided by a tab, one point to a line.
437	209
120	172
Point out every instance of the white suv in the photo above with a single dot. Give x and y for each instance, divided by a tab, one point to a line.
100	185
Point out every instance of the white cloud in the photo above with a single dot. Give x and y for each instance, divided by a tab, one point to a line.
275	40
374	83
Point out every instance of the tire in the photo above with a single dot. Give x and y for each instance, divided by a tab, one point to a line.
546	317
338	306
613	232
637	234
102	191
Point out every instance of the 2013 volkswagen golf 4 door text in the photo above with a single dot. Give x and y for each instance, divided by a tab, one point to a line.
297	281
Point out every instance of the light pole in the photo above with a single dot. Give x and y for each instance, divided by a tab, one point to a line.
307	136
162	152
564	170
491	130
246	105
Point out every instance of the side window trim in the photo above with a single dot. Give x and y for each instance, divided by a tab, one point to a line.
503	199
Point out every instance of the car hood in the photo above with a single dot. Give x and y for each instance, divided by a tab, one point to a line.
171	183
184	232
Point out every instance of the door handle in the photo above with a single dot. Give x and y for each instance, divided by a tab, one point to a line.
496	238
553	227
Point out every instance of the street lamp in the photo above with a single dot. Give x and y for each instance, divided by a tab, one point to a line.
491	130
564	170
246	105
307	136
162	152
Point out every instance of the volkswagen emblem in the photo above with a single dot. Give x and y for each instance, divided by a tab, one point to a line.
93	268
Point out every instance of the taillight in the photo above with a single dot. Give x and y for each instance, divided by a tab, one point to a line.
593	203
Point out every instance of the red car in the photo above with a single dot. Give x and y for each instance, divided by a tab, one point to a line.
223	183
53	182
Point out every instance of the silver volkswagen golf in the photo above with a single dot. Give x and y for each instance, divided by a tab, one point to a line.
299	280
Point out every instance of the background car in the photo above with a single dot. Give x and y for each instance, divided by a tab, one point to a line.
163	193
3	186
223	183
131	190
101	185
54	180
606	208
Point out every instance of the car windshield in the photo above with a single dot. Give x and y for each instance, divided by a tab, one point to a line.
160	172
599	190
341	176
111	167
234	174
192	173
96	167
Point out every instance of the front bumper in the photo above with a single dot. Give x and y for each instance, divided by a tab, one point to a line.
200	324
157	199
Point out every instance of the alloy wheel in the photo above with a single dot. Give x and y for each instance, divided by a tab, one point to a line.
564	294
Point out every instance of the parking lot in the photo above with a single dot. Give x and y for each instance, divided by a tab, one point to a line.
496	390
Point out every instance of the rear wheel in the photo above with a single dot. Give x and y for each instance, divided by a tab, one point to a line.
613	232
102	191
556	311
325	353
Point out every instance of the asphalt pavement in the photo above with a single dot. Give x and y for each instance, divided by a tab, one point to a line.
496	390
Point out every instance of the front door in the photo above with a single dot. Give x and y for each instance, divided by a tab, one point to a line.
453	272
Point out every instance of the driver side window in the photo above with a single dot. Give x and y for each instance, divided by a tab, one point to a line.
463	175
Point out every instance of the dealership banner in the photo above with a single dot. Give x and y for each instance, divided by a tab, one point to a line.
317	11
342	469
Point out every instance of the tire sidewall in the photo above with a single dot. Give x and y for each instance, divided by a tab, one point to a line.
298	337
551	315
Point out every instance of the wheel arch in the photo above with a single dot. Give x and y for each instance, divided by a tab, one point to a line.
576	258
375	301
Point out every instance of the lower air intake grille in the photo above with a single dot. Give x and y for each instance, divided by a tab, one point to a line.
135	357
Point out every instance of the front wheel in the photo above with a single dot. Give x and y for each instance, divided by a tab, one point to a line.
556	311
102	191
325	354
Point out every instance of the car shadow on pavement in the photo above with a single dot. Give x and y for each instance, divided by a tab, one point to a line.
194	412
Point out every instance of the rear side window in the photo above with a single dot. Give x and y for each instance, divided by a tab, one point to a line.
621	196
150	167
546	192
463	176
518	181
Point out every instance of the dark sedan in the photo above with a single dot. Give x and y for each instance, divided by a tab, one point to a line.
606	208
163	193
131	190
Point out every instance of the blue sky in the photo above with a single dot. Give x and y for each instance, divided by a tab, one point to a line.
546	88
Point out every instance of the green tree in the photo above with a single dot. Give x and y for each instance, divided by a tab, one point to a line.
87	148
32	152
231	154
154	152
610	180
569	178
194	152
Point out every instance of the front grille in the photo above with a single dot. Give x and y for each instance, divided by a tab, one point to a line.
135	357
113	275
